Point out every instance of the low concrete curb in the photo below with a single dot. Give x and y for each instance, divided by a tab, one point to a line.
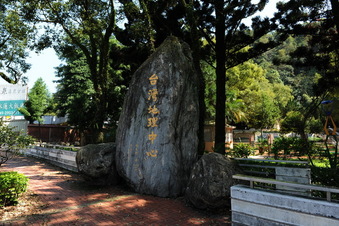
62	158
258	207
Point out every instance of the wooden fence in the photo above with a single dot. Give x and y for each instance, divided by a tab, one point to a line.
53	133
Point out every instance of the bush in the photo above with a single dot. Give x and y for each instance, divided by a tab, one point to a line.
263	146
287	147
325	176
242	150
11	142
12	184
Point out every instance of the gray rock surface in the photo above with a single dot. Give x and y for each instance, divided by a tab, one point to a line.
210	182
157	137
96	163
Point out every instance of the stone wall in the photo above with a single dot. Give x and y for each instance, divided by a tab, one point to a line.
62	158
258	207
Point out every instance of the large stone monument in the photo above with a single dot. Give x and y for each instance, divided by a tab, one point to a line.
157	137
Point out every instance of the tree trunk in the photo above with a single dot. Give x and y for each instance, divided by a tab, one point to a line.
221	78
335	11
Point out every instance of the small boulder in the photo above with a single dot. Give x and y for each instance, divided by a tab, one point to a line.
96	163
210	182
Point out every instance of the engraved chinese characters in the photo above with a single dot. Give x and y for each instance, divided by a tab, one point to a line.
154	112
157	133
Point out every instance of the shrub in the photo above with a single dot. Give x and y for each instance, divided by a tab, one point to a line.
11	142
12	184
263	146
325	176
287	147
242	150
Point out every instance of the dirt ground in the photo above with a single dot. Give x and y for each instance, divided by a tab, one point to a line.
28	204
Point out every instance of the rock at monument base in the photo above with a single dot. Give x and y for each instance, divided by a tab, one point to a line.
96	163
157	136
210	182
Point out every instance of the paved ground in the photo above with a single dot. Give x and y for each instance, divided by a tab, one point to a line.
69	201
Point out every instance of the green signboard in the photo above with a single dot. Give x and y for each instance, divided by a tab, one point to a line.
10	107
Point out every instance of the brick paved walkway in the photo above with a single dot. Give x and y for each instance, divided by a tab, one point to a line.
69	201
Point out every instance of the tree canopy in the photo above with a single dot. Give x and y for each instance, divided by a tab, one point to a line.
246	73
15	39
38	101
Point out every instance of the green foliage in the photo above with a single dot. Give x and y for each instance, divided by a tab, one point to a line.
330	151
11	142
284	147
264	146
12	184
76	91
325	176
253	98
303	120
210	91
86	41
321	49
266	114
235	107
293	122
38	101
242	150
15	38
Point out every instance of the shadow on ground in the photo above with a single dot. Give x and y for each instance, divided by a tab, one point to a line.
69	200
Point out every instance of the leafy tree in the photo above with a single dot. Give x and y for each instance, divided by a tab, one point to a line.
38	101
11	142
234	37
262	99
267	114
318	21
14	40
235	107
210	86
86	26
75	91
217	22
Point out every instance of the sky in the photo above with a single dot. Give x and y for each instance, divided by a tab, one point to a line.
43	64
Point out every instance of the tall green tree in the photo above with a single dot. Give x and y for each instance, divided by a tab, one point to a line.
227	37
267	113
14	41
87	26
235	107
263	98
318	21
217	22
75	90
38	101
